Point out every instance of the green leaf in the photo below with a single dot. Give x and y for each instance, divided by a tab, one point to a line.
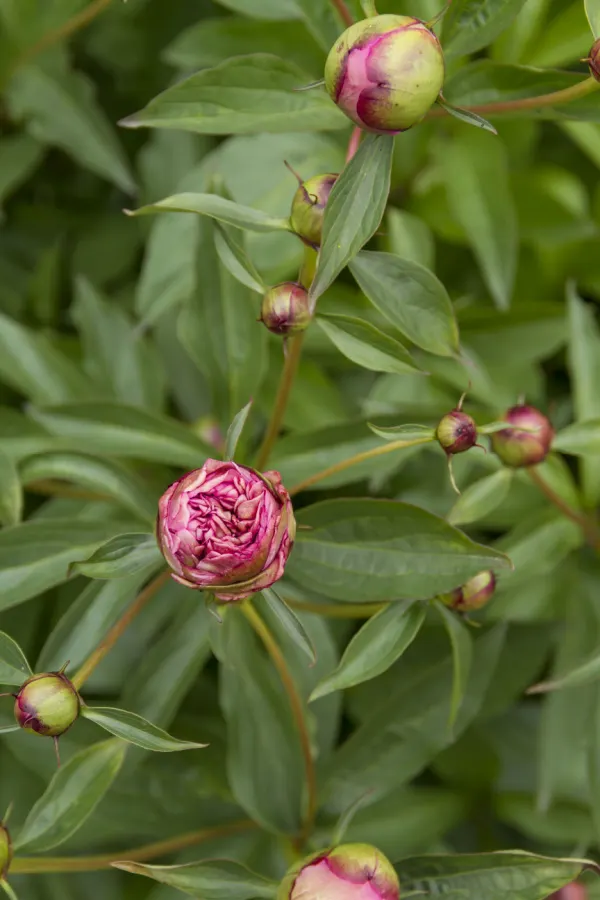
492	876
373	649
216	208
11	492
471	25
462	651
234	431
476	176
579	439
218	879
20	155
121	555
133	728
264	9
409	237
355	208
583	360
481	497
425	315
366	345
119	430
592	11
36	555
233	256
103	476
322	20
466	115
376	550
586	673
290	623
72	795
405	433
246	94
14	668
60	109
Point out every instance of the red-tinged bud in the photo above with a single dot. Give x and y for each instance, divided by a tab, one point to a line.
456	432
474	593
571	891
308	208
47	704
6	851
385	72
593	61
528	442
286	309
348	872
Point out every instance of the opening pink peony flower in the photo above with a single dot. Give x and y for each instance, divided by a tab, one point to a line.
349	872
227	529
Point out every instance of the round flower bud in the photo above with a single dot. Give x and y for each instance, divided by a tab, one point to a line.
593	60
385	73
528	442
47	704
286	309
6	851
308	208
456	432
348	872
226	528
473	594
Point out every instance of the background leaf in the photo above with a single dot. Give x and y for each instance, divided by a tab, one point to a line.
136	730
213	879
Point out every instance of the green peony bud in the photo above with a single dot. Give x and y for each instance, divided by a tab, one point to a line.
286	309
526	444
348	872
456	432
6	851
386	72
593	60
474	593
47	704
308	208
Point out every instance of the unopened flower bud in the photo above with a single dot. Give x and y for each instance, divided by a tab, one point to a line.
593	60
456	432
308	208
6	851
47	704
348	872
528	442
286	309
473	594
385	72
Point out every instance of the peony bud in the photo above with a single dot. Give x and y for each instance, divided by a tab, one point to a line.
528	443
593	60
226	528
386	72
348	872
47	704
286	309
474	593
6	851
308	208
456	432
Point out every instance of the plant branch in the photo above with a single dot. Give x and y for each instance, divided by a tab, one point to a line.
543	101
344	12
587	525
289	684
290	367
118	629
337	610
354	461
43	865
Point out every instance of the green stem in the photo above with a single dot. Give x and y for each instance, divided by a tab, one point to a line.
344	12
587	525
369	8
297	708
44	865
543	101
8	890
355	460
118	629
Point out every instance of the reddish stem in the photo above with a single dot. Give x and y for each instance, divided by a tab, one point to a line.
344	12
353	143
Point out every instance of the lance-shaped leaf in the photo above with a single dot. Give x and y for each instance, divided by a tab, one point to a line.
136	730
211	879
14	668
234	431
466	115
462	652
290	623
217	208
122	555
11	492
366	345
405	433
481	498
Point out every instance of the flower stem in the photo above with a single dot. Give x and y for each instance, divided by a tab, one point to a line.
290	367
353	143
354	460
8	890
43	865
344	12
280	664
118	629
337	610
587	525
557	98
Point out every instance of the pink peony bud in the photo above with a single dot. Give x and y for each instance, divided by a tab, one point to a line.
349	872
456	432
528	443
226	528
308	208
473	594
47	704
386	72
286	309
593	60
